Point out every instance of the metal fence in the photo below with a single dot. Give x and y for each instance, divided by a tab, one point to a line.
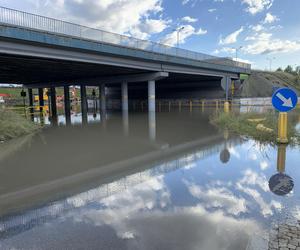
46	24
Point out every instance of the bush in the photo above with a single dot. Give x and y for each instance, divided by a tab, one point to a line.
241	124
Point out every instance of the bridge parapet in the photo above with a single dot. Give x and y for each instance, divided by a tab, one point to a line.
26	20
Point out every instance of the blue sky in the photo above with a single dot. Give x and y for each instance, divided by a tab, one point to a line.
266	29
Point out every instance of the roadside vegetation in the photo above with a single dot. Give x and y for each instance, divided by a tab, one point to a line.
13	125
262	83
260	127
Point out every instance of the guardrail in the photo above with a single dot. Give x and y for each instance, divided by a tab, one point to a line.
46	24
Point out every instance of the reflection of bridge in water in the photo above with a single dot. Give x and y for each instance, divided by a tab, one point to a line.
14	225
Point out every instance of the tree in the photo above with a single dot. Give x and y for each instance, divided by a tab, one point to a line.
279	69
289	69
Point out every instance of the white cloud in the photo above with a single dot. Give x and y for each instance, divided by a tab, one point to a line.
256	6
148	27
212	10
189	19
270	18
119	16
265	44
171	38
224	50
219	197
257	28
264	165
242	60
231	38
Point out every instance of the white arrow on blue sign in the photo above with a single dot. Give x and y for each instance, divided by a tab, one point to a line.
284	99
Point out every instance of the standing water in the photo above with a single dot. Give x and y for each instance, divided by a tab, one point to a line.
168	180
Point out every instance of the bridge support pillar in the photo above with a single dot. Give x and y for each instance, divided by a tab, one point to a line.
83	103
30	96
53	103
41	99
151	96
152	125
67	104
102	98
125	120
226	81
124	96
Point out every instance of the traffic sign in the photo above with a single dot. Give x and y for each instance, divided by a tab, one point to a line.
284	99
281	184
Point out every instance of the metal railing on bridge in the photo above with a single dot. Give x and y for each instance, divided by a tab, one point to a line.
46	24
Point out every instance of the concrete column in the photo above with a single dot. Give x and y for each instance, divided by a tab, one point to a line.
53	102
30	96
226	83
125	120
83	103
102	97
41	99
151	96
152	125
67	104
124	96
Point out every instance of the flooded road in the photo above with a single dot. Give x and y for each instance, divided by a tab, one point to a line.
168	180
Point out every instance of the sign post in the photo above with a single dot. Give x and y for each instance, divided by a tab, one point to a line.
284	100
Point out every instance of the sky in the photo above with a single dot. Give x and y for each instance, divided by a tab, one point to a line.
264	32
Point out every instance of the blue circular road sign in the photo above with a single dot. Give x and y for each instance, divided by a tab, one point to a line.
284	99
281	184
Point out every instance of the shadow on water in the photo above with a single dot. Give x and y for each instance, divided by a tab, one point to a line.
168	180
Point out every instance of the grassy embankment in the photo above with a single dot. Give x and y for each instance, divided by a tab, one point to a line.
260	127
261	83
13	125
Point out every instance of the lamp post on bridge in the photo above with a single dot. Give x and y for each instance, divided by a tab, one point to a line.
236	52
178	30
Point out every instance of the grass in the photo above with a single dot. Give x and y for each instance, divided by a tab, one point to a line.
240	124
13	125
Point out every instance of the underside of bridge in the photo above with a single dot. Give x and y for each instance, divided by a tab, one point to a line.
40	72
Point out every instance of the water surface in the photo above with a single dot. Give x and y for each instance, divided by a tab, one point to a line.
168	180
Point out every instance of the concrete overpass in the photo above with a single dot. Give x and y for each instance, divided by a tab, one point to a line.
41	52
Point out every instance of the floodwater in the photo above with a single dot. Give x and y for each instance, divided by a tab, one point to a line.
168	180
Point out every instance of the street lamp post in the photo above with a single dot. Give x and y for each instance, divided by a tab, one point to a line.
270	59
178	30
236	52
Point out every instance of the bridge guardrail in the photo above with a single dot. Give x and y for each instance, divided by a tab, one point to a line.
46	24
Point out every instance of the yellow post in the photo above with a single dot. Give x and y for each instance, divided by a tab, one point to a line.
202	104
191	106
232	88
217	104
226	107
281	156
282	128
